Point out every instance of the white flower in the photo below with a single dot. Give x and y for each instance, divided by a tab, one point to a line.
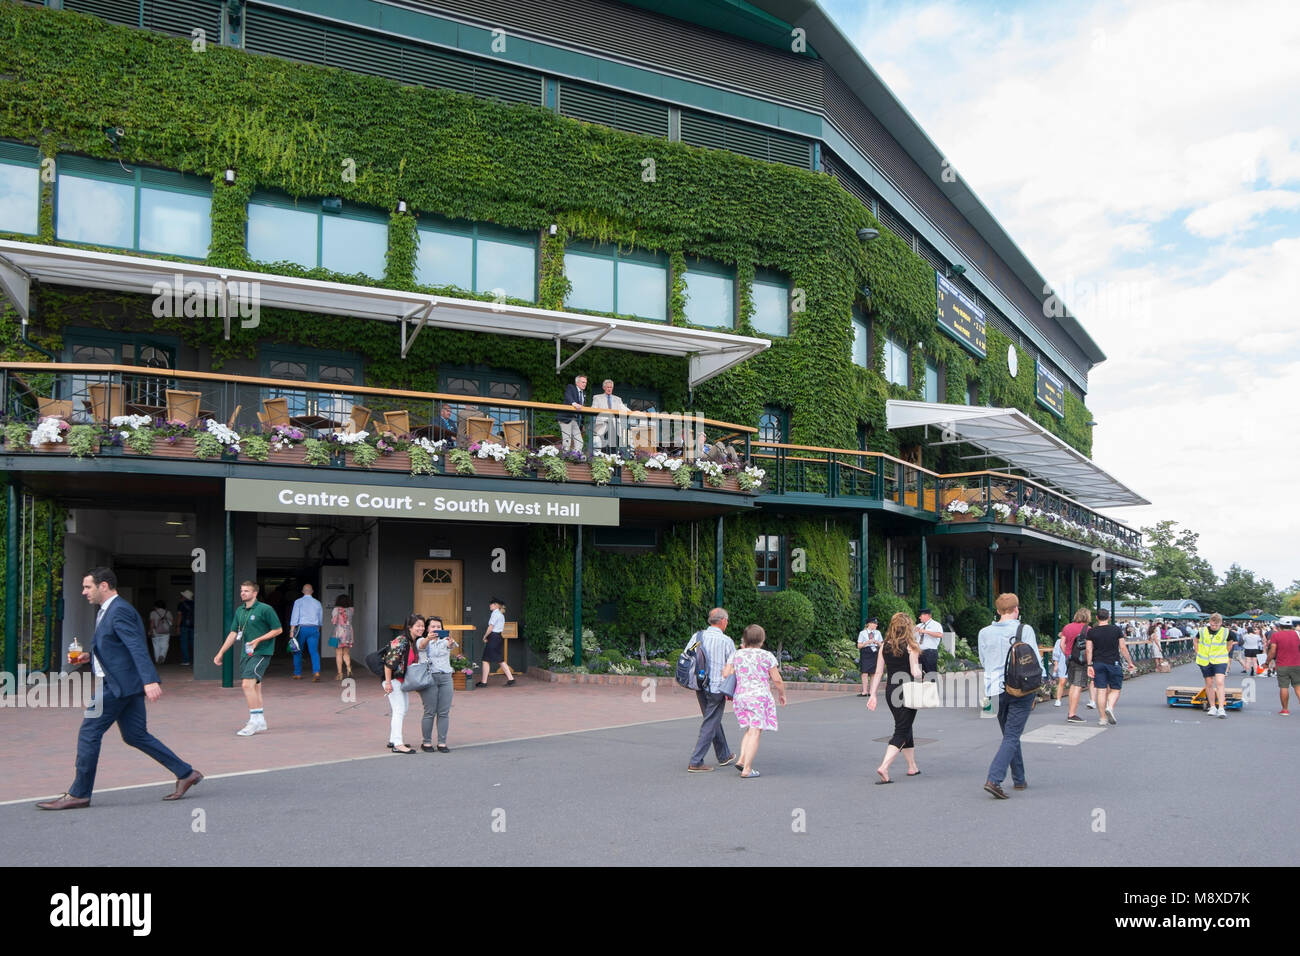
710	468
1001	508
353	438
130	421
434	448
958	506
219	431
548	451
46	433
614	460
492	450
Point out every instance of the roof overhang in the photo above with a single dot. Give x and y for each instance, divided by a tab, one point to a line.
1017	439
224	291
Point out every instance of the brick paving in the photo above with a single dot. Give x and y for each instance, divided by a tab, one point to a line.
311	723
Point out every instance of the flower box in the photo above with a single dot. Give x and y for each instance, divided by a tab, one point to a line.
397	461
580	471
659	476
179	448
489	467
293	455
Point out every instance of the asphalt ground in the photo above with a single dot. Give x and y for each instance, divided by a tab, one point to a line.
1140	793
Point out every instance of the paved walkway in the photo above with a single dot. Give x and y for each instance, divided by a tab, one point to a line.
310	724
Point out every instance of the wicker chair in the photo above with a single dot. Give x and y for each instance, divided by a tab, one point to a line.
183	406
105	401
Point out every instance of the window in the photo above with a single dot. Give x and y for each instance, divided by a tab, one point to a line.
636	399
771	298
20	188
149	210
478	258
896	365
606	279
897	568
769	561
710	294
348	241
320	368
861	340
931	381
968	576
774	425
972	393
935	575
1040	582
855	567
485	383
141	396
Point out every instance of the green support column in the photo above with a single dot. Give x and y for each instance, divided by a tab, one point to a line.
1056	599
1112	594
1015	574
717	564
925	573
1096	588
864	572
49	590
990	581
577	596
11	578
228	602
1074	593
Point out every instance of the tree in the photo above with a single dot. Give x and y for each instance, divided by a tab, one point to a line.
1176	569
1240	592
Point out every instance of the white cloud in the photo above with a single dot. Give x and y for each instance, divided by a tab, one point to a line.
1229	217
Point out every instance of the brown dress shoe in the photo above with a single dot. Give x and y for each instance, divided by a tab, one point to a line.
65	802
183	784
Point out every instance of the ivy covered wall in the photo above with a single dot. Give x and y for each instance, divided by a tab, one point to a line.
300	129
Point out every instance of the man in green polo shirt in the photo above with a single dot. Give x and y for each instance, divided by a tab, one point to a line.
257	626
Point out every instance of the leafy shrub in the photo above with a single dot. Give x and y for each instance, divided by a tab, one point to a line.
885	606
970	621
788	618
814	662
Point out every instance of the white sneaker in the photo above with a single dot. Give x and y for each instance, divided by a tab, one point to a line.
1110	715
1091	705
1101	722
248	729
1058	703
1223	712
260	720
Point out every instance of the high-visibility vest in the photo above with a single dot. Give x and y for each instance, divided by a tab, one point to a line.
1212	647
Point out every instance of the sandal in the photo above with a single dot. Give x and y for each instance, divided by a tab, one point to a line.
752	773
427	748
914	773
443	749
403	750
883	779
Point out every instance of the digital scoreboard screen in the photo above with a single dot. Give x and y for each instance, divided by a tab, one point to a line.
1049	390
960	317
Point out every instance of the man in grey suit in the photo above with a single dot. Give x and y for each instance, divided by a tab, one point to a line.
120	654
607	430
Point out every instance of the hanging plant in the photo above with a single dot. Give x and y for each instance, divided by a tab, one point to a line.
82	440
140	440
683	475
256	447
17	437
421	461
462	459
516	463
364	454
316	452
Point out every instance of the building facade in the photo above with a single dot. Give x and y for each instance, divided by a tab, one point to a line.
311	214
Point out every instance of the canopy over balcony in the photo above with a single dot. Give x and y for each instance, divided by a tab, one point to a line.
1017	439
709	352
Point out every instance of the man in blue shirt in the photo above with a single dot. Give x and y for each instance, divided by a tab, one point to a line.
718	649
304	624
1013	712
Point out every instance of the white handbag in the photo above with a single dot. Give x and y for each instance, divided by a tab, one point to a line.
920	694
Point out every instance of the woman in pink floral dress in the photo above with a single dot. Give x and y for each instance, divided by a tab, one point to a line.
756	670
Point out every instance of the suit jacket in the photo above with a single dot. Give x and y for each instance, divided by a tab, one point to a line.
120	646
571	395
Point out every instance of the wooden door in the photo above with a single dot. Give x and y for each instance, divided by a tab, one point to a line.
438	590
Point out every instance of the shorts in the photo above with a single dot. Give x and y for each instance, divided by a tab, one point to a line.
1209	670
1108	676
1289	676
1251	652
1077	674
253	667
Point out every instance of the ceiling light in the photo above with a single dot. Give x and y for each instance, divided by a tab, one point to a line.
174	519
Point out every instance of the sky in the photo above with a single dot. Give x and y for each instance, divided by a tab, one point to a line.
1146	158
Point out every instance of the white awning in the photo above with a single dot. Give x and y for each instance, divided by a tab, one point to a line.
709	352
1013	436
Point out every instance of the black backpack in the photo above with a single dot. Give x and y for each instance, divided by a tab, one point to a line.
1024	668
693	665
1079	650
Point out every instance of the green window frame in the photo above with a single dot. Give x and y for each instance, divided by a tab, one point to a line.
770	295
774	425
20	176
629	274
972	392
318	366
636	399
897	569
480	239
897	362
769	562
317	223
861	339
81	180
969	577
710	277
935	573
1040	582
96	346
931	384
483	382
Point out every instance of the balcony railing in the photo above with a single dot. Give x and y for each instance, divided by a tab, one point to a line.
87	393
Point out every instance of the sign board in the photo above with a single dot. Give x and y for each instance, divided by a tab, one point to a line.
1049	390
960	317
438	504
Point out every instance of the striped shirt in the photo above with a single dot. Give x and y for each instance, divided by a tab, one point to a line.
719	649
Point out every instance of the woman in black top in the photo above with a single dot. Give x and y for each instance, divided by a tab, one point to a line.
900	658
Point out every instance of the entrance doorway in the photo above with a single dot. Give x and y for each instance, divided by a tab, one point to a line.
438	590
